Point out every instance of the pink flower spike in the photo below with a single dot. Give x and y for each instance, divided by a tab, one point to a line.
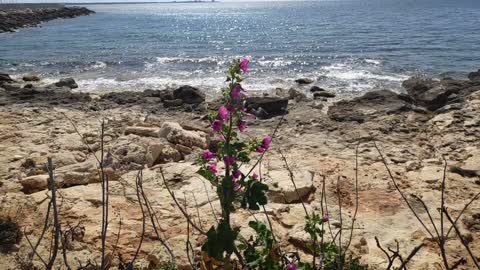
266	142
217	125
212	168
236	186
291	266
260	149
228	160
223	113
237	174
208	155
255	176
244	65
236	92
242	125
230	108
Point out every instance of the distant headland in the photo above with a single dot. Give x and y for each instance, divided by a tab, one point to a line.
15	16
139	3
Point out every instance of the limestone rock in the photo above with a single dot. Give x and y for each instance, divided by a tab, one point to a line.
161	153
34	183
175	134
282	189
142	131
296	95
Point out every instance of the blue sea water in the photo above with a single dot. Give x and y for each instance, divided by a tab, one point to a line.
347	46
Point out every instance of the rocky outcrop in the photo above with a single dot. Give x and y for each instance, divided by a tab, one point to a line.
5	78
67	82
31	78
433	95
266	107
282	190
304	81
185	98
11	19
189	95
315	89
323	94
33	91
474	76
369	106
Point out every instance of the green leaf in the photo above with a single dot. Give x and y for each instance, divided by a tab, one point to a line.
220	240
254	195
207	174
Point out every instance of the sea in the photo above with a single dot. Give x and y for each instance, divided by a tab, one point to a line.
346	46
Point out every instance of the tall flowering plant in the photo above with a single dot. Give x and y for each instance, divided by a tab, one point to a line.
235	188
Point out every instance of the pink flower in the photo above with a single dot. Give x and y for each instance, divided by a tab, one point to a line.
260	149
217	125
325	218
229	161
266	142
223	113
255	176
208	155
244	65
237	174
230	108
236	186
236	92
291	266
212	168
242	125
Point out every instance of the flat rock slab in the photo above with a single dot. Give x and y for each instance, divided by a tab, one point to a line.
282	189
369	106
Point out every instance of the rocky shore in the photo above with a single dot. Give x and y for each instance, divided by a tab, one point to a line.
167	129
15	18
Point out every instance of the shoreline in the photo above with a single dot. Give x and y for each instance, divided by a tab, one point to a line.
17	16
433	119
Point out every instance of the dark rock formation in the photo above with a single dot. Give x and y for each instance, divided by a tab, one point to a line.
10	234
12	19
4	78
266	107
68	82
31	78
315	89
433	95
304	81
325	94
53	95
369	106
474	76
189	95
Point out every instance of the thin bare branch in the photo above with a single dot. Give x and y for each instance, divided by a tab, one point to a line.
462	239
178	205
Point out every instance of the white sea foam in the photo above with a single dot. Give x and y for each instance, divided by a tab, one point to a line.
210	85
373	61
